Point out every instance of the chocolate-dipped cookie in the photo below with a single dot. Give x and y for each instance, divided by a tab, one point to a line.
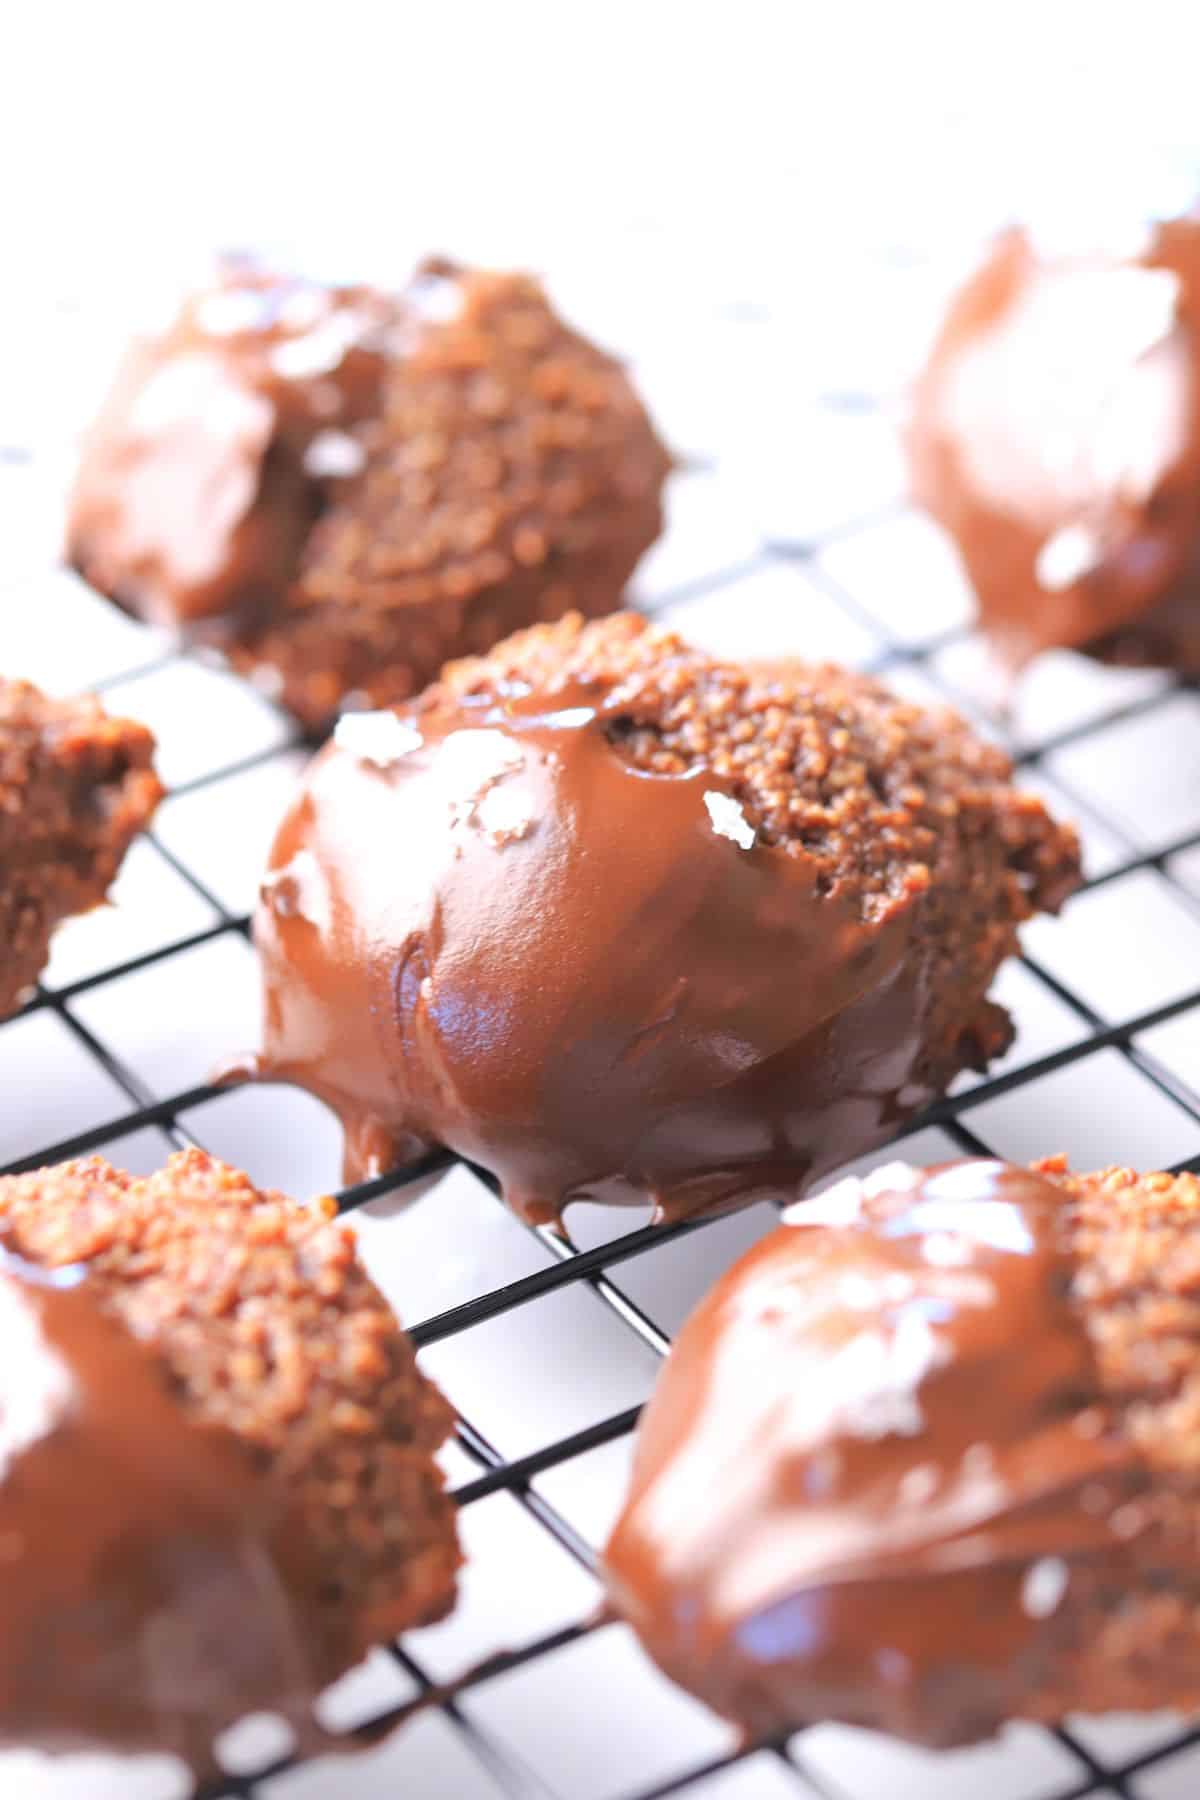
343	488
222	441
76	787
624	923
925	1460
217	1479
1055	433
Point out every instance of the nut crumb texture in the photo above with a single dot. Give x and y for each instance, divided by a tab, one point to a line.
262	1378
76	787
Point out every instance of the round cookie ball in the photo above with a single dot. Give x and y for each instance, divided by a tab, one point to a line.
343	488
621	922
221	442
1055	433
217	1455
925	1460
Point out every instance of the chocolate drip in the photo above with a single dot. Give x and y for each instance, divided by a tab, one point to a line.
878	1471
483	928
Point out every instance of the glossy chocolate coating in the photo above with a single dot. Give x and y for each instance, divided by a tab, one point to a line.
150	1575
485	929
1055	433
879	1470
623	922
207	467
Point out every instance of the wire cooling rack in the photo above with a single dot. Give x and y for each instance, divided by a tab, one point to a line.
786	535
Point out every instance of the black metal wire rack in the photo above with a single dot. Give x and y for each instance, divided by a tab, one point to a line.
1107	1067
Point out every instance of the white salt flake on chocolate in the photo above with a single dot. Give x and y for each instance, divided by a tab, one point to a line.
319	351
334	455
196	385
728	819
299	890
943	1250
1044	1586
436	297
504	813
376	737
891	1178
874	1379
840	1204
1066	557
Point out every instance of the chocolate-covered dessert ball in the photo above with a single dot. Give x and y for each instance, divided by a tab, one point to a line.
343	489
76	787
624	923
1055	434
926	1459
217	1479
222	441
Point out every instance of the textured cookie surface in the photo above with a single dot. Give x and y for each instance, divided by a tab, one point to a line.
279	1358
75	788
618	921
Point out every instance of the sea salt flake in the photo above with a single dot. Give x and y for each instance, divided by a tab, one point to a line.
436	298
1044	1586
299	890
840	1204
877	1377
919	1485
334	454
891	1178
320	350
195	386
376	737
728	819
504	813
942	1250
1065	557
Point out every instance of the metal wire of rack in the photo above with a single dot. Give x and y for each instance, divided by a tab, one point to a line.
976	1118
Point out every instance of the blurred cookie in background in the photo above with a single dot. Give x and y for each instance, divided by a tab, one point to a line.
342	488
1055	433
